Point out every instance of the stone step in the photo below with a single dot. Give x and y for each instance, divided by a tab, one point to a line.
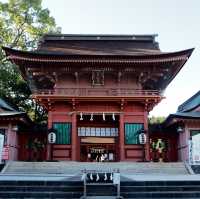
74	189
133	184
100	189
17	194
77	167
168	194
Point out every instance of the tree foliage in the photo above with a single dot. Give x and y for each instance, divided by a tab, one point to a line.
156	120
22	23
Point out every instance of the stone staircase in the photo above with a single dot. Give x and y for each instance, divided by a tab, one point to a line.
74	189
62	180
74	168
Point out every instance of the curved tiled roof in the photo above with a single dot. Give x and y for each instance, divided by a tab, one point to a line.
4	105
60	56
191	104
173	61
140	53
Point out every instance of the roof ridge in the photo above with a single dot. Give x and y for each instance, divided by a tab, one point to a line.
102	35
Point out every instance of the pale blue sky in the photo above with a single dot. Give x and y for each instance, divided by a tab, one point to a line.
177	23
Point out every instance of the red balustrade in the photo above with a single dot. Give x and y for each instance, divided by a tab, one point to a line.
108	92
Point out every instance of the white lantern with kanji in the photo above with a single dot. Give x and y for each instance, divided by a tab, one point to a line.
142	138
51	137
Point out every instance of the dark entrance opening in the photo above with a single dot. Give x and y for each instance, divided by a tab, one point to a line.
98	152
98	137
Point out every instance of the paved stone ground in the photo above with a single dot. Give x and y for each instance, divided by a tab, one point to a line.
74	168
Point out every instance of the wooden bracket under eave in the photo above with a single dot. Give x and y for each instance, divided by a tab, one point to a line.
122	104
73	104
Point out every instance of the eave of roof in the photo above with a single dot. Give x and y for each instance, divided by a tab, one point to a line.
182	116
186	115
56	55
13	113
15	116
27	59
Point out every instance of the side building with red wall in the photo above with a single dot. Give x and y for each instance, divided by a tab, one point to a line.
178	135
10	122
185	125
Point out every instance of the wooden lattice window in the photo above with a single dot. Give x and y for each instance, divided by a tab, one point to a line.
132	131
63	133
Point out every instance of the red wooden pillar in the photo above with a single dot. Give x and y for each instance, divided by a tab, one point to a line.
48	147
78	147
147	146
74	138
121	138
